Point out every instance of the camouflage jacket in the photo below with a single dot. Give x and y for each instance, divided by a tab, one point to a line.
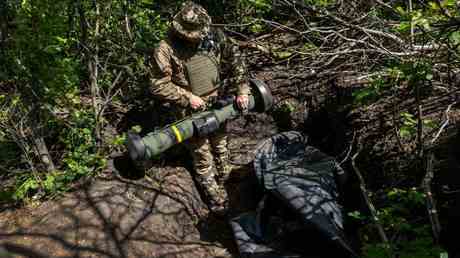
168	80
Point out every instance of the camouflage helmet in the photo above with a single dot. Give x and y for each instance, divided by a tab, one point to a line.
192	22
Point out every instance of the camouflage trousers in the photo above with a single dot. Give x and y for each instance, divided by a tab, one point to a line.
210	161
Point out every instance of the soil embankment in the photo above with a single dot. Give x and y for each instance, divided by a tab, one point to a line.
158	215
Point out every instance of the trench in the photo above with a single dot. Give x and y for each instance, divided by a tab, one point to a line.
327	128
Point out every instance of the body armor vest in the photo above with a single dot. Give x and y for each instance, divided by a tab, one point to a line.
202	72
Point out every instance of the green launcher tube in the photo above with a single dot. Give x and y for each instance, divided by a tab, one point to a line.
197	125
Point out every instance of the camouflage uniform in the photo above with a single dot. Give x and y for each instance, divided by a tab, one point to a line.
169	82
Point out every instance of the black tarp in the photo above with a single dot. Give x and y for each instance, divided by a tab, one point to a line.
299	215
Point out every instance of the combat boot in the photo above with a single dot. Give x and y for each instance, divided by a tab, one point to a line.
215	197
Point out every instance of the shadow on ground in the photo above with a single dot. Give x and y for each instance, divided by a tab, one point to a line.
124	213
114	217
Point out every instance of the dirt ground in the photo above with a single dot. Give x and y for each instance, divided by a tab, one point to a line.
119	214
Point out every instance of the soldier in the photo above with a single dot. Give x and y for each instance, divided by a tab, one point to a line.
185	72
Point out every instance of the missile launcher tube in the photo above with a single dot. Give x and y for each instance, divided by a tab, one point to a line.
200	125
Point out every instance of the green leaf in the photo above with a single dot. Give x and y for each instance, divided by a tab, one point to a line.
404	27
455	37
433	6
308	47
405	132
420	20
408	119
119	140
364	94
282	54
52	49
136	128
24	188
49	182
61	40
447	3
356	215
429	123
256	28
401	10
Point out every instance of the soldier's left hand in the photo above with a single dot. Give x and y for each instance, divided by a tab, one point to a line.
242	101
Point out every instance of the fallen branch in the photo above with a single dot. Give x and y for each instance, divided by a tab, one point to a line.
366	30
350	148
363	51
389	7
365	193
429	200
420	142
444	125
426	183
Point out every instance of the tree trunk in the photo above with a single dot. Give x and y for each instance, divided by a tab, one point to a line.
127	22
93	65
3	23
37	140
83	29
41	151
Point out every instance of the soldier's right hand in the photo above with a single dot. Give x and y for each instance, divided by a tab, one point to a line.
196	102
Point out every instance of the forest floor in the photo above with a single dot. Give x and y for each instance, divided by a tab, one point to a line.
121	214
